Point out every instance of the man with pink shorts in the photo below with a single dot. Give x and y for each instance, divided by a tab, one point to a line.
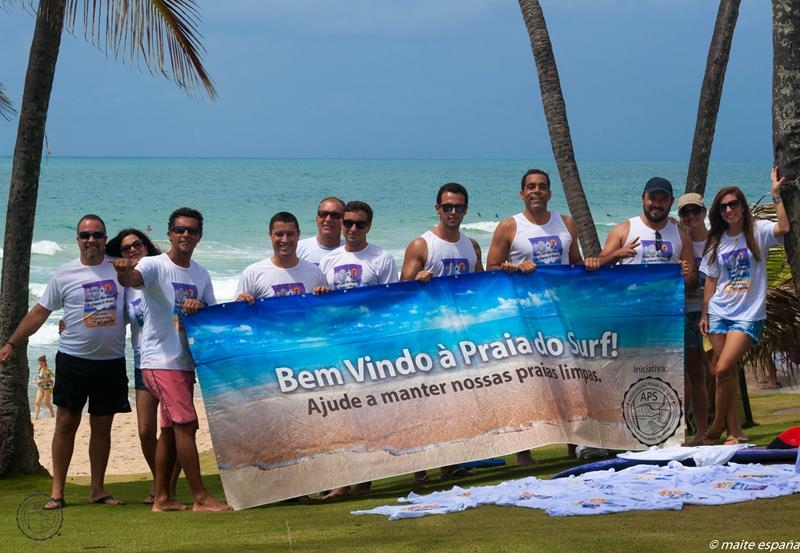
173	286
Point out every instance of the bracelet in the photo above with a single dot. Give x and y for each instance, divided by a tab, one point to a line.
776	199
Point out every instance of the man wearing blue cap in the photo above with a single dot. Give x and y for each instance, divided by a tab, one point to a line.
649	238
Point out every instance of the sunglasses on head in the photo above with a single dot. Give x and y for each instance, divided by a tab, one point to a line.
690	210
97	235
332	214
360	225
125	249
459	208
193	231
733	204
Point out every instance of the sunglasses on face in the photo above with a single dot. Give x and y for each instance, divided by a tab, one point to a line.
193	231
733	204
360	225
125	249
690	210
459	208
97	235
335	215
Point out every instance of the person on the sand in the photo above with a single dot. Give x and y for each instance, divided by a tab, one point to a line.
173	286
44	388
90	362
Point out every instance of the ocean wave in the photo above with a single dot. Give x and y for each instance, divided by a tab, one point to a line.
46	247
481	226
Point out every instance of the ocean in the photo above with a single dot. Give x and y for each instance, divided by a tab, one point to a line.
238	196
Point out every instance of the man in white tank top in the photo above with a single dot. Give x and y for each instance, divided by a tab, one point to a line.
536	236
650	238
444	250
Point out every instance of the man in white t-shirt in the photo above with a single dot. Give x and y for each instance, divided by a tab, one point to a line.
283	274
329	231
357	263
173	286
90	363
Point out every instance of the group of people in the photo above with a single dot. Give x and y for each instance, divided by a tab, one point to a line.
127	280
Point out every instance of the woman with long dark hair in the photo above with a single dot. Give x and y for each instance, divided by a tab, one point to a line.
734	300
134	244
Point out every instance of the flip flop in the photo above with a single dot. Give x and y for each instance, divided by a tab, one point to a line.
107	500
54	503
150	499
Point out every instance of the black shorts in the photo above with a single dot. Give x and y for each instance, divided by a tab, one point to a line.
104	383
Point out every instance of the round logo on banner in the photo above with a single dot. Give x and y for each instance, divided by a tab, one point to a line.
652	410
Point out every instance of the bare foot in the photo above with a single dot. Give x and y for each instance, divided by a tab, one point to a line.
167	506
338	492
211	505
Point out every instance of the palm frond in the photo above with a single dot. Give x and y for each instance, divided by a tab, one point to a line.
781	332
6	107
161	34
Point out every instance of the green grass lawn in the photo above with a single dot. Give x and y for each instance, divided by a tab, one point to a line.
329	526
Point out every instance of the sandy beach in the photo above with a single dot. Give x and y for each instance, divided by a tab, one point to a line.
126	455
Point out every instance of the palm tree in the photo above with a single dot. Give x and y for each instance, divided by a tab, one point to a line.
786	118
150	31
710	95
555	112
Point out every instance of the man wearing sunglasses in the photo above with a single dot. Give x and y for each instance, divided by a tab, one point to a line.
329	231
650	238
357	263
283	274
536	236
90	362
173	286
445	250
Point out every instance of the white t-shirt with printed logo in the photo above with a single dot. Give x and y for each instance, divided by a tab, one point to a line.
265	280
166	285
94	309
368	267
741	293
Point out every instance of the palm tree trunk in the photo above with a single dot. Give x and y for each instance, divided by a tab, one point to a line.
786	118
710	95
17	449
555	112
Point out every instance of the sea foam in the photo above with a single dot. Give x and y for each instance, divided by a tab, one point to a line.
45	247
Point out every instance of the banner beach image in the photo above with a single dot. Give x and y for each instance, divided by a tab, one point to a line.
306	393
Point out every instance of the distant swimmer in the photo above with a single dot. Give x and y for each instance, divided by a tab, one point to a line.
148	228
479	214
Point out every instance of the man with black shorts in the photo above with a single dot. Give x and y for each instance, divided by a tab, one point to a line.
90	363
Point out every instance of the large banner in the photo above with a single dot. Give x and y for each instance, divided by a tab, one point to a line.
307	393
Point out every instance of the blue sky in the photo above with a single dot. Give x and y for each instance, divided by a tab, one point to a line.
414	79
